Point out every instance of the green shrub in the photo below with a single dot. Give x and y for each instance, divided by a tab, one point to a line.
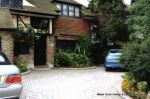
136	57
136	53
20	64
85	45
142	86
70	59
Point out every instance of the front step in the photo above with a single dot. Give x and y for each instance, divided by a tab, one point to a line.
41	67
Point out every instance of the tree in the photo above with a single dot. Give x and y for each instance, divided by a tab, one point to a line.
111	15
136	53
139	19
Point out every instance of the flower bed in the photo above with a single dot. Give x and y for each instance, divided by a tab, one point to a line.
133	88
21	65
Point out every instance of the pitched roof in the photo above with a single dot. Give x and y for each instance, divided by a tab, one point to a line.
69	1
87	12
41	6
6	21
47	7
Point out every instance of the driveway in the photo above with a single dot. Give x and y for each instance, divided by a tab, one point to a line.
71	84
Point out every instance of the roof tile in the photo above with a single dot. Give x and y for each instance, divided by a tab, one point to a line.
47	7
6	21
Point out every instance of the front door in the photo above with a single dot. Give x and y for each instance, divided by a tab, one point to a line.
40	51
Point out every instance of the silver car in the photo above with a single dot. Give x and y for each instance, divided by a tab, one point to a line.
10	79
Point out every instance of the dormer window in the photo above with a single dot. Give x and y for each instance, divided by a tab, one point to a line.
17	4
68	10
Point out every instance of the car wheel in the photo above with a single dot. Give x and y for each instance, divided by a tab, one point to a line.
106	69
16	98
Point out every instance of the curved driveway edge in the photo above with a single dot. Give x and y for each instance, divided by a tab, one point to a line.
86	68
71	84
26	73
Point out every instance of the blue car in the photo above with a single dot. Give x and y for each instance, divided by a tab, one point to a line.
112	59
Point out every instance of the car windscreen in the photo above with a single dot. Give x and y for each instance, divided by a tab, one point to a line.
4	60
114	54
115	51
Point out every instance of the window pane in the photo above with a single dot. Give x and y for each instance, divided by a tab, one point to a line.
77	12
2	59
65	9
71	10
21	48
39	23
11	3
15	3
59	7
5	3
66	44
0	43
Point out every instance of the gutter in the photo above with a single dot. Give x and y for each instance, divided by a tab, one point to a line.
8	29
30	13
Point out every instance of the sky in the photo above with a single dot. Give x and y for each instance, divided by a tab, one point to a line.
85	2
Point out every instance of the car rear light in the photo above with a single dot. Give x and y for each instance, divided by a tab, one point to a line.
16	78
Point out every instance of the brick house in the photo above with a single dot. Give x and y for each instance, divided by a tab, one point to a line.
64	22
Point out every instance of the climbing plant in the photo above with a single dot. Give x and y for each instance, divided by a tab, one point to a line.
28	34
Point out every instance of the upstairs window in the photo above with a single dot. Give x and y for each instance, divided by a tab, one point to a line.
59	7
68	10
71	10
65	9
11	3
77	12
0	44
5	3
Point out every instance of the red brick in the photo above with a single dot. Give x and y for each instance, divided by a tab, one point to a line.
71	26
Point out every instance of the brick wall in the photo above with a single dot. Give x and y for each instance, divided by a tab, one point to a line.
50	51
7	44
28	58
71	26
50	46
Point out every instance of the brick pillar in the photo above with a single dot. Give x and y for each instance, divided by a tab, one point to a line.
148	96
50	51
7	44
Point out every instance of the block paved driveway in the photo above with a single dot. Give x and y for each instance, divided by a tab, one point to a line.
71	84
